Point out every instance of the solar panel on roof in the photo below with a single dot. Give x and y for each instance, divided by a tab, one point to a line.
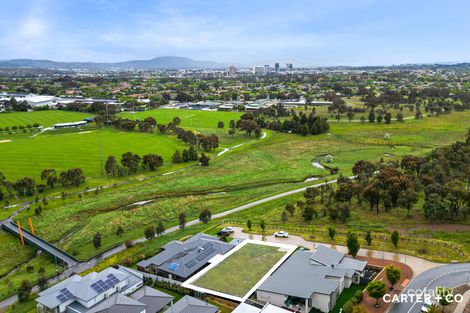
191	263
173	266
113	278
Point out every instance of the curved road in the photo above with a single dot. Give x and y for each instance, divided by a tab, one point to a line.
449	275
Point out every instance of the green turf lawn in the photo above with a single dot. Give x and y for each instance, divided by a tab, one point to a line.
43	118
347	294
238	273
193	119
26	156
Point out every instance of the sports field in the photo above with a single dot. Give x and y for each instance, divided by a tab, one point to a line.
26	156
239	272
193	119
43	118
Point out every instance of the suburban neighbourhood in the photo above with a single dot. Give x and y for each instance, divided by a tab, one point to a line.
245	156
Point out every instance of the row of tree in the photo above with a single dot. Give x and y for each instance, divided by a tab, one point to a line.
27	186
130	163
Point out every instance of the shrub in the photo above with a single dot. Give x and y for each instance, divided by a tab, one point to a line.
348	306
329	159
358	295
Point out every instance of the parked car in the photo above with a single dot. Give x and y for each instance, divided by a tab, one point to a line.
229	229
223	233
426	305
282	234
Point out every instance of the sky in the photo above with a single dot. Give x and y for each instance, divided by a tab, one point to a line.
303	32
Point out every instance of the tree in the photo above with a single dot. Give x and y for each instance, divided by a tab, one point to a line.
97	240
394	238
435	207
368	238
131	161
249	224
205	216
445	296
400	117
388	118
152	161
182	220
376	289
407	199
352	242
119	231
220	124
24	291
42	282
393	274
149	232
177	158
284	216
290	208
192	153
111	165
25	186
331	233
160	228
204	159
231	132
262	224
308	213
49	176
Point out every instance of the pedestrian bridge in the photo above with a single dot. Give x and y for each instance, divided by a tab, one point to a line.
58	254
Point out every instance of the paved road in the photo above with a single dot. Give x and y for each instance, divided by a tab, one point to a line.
418	265
449	275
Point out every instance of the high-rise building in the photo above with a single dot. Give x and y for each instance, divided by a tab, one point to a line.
267	69
276	67
258	69
232	70
289	66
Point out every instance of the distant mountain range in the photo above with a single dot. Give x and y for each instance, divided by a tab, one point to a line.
164	62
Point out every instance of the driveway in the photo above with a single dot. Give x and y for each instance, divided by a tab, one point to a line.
418	265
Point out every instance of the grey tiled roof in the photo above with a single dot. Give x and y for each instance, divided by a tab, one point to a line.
185	258
189	304
154	299
298	277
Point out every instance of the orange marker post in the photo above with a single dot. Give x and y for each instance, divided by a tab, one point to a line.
21	234
31	225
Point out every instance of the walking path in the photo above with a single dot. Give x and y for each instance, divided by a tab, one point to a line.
418	265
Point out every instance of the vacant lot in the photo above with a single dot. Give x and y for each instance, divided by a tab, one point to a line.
237	274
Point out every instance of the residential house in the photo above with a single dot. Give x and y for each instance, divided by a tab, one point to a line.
180	260
109	291
189	304
311	279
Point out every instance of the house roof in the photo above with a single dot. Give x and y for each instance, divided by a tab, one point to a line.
154	299
118	303
330	257
189	304
77	287
298	277
185	258
268	308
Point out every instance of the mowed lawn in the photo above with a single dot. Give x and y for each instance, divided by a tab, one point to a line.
237	274
43	118
26	156
189	118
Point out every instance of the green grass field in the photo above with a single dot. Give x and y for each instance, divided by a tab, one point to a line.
25	156
193	119
239	272
43	118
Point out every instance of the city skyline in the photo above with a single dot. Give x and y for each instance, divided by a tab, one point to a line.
306	33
